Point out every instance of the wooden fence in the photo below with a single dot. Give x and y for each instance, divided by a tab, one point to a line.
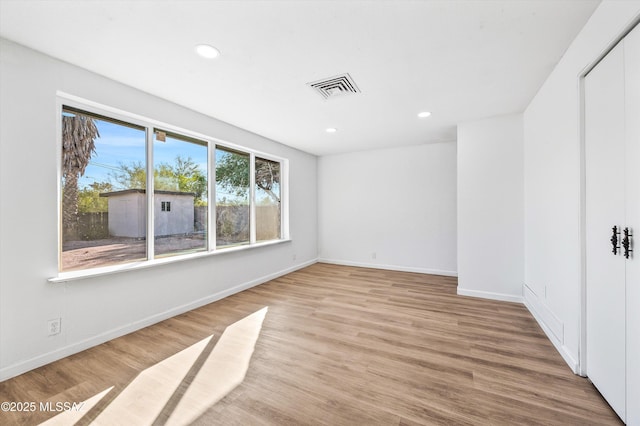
232	224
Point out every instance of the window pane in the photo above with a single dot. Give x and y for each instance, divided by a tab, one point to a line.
103	191
232	198
180	195
267	200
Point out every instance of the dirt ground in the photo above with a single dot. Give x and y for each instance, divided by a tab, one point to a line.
95	253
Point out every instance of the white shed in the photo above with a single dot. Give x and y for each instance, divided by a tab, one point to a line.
174	213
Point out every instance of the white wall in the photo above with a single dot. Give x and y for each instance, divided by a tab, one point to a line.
97	309
552	182
491	208
397	203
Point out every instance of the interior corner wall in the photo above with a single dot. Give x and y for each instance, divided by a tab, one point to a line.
390	209
552	169
97	309
491	208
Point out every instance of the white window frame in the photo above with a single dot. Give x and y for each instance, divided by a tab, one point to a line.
151	125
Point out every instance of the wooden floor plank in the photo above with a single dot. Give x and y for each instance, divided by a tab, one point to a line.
342	346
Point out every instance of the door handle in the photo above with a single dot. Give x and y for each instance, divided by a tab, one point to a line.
626	242
614	240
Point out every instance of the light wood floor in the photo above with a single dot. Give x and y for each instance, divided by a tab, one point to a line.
336	346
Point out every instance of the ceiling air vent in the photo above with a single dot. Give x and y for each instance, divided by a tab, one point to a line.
332	87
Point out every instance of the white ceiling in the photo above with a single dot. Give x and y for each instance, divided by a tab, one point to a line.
461	60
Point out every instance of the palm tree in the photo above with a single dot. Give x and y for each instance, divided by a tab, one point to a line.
78	145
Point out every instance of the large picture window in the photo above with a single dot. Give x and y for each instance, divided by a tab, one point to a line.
133	192
103	186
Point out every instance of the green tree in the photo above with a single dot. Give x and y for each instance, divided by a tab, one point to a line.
130	176
232	174
89	199
184	175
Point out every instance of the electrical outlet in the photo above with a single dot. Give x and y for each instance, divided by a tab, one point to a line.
294	257
54	326
374	255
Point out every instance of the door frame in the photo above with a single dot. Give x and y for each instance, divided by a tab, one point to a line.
582	343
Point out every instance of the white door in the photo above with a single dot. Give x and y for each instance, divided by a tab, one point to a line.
605	204
632	213
612	166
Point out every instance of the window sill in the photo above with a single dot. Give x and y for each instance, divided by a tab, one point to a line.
133	266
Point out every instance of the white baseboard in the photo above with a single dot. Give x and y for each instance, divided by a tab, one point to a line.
551	325
489	295
541	311
390	267
49	357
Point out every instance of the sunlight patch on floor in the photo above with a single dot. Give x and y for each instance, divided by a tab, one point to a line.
146	396
224	369
181	387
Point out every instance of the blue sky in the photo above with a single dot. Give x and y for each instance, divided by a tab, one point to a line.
120	144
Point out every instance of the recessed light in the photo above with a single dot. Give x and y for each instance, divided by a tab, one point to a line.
424	114
331	130
207	51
